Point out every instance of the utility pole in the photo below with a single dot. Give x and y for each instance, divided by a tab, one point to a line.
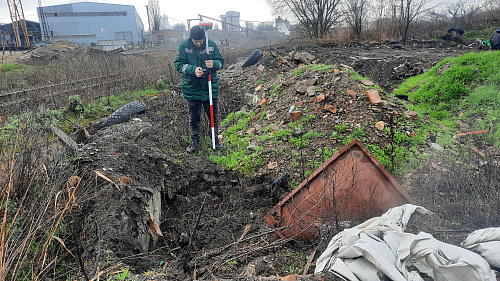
17	16
149	24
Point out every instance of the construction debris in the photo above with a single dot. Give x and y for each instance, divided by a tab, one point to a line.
351	185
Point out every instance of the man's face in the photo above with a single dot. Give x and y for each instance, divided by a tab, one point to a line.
198	43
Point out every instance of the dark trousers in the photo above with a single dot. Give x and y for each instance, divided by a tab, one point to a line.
194	107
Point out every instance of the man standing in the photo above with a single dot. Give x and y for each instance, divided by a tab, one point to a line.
495	40
193	62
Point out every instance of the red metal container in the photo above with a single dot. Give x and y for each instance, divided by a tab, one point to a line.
351	185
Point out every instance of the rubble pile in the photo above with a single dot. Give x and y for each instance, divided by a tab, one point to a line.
293	94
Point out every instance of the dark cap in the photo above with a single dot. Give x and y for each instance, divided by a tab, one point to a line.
196	33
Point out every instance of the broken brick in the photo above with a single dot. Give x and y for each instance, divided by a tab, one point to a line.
295	115
272	165
352	93
336	71
258	88
262	102
330	108
410	114
299	103
373	97
319	98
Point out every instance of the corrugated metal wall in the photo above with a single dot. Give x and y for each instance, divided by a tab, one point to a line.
87	23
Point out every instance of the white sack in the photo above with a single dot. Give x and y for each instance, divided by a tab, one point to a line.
486	242
394	219
378	248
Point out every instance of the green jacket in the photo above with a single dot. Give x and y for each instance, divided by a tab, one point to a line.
187	58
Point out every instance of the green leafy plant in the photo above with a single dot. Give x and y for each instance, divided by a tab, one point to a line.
283	134
341	127
232	264
275	89
358	133
123	275
327	153
295	125
161	84
308	118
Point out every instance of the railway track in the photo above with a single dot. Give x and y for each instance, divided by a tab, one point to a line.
56	95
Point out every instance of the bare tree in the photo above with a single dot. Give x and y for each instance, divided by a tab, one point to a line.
379	13
316	16
455	10
154	15
491	9
463	13
408	11
356	13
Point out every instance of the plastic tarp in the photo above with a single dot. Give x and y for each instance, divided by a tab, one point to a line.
379	249
486	242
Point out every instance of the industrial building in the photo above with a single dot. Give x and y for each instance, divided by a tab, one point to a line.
283	26
89	23
231	21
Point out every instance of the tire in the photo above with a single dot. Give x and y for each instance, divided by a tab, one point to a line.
124	113
253	58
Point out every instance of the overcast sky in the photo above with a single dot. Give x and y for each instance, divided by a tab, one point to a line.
250	10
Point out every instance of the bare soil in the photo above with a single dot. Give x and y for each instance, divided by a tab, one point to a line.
210	220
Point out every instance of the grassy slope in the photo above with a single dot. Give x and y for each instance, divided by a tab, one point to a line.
461	89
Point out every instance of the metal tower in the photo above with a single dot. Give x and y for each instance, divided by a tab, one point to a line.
44	25
17	16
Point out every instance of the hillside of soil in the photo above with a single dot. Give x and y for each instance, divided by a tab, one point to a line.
145	205
168	215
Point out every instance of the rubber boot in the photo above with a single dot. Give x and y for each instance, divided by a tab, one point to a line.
193	147
218	145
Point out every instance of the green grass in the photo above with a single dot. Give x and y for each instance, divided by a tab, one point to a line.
17	69
467	84
308	118
64	118
483	33
274	90
342	127
238	157
303	140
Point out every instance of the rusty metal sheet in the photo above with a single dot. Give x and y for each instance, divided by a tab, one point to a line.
351	185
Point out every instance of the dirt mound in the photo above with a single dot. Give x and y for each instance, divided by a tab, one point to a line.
57	52
208	216
259	39
181	216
